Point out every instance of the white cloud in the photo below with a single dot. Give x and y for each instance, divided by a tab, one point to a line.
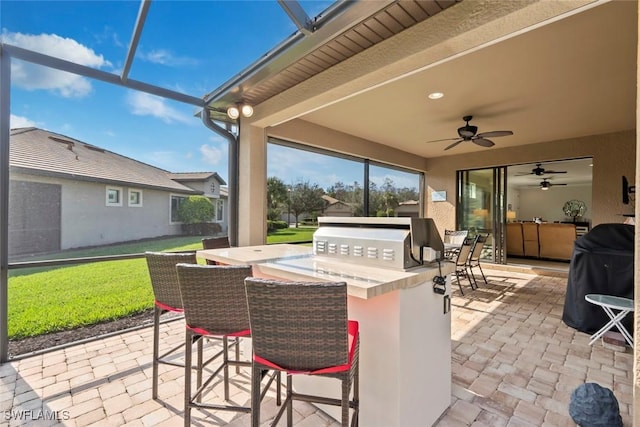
20	122
144	104
166	57
212	155
35	77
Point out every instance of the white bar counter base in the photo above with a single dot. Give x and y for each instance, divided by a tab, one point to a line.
405	341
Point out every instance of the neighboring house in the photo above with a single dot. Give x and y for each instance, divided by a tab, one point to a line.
211	185
65	193
408	208
335	207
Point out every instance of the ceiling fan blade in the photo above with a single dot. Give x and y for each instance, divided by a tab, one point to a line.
553	172
440	140
483	142
558	184
495	133
454	144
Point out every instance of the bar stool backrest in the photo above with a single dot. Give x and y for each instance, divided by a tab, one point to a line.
213	297
299	326
215	243
164	279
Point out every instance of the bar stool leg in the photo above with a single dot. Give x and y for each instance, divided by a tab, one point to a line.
187	378
156	352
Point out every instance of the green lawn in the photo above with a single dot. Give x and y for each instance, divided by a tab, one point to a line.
49	299
301	234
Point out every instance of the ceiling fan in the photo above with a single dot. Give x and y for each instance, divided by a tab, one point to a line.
539	171
468	133
545	184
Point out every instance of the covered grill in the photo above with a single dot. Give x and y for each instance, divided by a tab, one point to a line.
396	243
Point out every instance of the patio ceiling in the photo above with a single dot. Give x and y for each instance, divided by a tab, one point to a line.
565	78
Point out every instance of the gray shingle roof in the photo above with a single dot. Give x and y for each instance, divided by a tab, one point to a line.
196	176
38	151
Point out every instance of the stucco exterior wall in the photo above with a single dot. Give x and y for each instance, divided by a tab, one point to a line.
613	156
87	221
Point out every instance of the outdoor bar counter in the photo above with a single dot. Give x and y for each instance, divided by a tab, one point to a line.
405	330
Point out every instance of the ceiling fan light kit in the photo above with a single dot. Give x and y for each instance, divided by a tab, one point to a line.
469	133
545	184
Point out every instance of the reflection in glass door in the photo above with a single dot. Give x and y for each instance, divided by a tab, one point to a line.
481	208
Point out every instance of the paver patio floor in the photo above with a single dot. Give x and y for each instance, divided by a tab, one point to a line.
514	363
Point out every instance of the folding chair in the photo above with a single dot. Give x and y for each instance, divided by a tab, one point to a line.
461	262
474	258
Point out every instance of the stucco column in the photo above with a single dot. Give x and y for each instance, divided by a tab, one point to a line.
252	186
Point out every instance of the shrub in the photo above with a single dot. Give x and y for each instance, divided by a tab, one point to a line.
276	225
195	213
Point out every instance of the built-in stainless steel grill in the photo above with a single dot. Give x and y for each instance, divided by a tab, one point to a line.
398	243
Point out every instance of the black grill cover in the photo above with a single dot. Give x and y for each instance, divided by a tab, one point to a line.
601	263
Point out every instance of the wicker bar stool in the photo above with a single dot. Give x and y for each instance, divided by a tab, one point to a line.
164	281
215	243
302	328
214	303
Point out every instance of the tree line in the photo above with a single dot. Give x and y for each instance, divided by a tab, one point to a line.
306	198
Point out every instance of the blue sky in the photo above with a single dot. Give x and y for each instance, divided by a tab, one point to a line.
187	46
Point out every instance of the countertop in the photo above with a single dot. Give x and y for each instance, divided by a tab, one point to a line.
295	262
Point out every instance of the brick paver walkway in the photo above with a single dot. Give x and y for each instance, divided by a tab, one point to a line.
514	364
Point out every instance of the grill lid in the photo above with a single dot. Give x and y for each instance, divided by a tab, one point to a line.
398	243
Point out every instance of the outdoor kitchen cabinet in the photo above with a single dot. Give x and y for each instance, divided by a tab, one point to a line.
405	330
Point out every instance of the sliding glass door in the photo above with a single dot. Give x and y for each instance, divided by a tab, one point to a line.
481	208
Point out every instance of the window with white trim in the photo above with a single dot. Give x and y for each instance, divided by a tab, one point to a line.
135	198
219	210
114	196
175	204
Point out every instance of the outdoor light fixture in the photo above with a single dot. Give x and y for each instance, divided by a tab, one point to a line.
247	110
234	111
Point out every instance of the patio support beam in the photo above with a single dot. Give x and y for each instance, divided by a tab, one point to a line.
135	38
297	15
82	70
252	182
5	105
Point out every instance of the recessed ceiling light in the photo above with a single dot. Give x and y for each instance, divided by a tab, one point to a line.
436	95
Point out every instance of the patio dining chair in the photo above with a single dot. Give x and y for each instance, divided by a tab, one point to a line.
215	243
302	328
166	292
461	261
455	238
215	305
474	258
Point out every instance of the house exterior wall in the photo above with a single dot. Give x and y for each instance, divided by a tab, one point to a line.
338	209
86	220
211	189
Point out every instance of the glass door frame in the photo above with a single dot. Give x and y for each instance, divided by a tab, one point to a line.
497	204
